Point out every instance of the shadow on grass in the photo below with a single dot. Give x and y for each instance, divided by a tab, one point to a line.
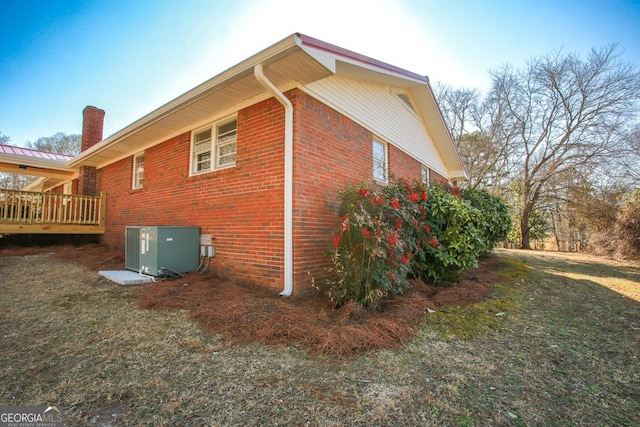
620	277
568	356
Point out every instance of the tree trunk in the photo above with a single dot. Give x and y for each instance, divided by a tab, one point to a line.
554	224
525	229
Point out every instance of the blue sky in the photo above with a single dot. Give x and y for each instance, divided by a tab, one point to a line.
131	57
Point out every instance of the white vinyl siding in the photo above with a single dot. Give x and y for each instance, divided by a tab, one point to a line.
380	109
209	153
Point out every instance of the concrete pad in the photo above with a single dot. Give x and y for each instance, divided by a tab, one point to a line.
125	277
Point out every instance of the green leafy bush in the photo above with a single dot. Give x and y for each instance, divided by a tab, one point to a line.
390	234
494	222
453	224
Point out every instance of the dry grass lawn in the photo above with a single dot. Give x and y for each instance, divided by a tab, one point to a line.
555	343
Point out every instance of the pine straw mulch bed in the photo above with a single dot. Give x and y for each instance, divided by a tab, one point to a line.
246	313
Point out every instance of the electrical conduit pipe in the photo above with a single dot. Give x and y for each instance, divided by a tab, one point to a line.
288	177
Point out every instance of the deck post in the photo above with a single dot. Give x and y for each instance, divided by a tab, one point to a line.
103	209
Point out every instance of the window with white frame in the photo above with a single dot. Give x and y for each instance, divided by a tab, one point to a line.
138	170
380	165
214	147
425	175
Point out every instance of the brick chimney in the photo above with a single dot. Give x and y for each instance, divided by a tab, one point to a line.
92	124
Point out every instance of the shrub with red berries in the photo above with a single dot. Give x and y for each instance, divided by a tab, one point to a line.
388	235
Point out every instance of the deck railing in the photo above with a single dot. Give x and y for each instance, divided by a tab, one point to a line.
35	209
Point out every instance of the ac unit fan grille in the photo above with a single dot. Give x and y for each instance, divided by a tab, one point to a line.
132	249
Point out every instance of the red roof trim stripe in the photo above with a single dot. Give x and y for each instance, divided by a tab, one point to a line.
337	50
27	152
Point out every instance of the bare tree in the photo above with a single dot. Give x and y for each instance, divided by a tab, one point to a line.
459	108
628	163
480	154
476	126
60	143
566	113
11	181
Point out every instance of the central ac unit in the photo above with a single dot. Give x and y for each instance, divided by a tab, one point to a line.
162	250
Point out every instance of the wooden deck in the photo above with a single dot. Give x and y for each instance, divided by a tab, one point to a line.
27	212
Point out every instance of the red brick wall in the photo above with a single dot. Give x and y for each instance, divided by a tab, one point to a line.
87	181
436	177
330	151
401	165
242	207
60	188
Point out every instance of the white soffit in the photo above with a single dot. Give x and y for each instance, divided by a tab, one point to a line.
217	95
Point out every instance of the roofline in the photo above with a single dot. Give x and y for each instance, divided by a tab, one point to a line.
189	97
294	41
374	63
357	57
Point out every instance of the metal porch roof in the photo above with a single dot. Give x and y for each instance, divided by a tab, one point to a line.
20	160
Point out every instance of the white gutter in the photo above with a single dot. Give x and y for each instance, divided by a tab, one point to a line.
288	176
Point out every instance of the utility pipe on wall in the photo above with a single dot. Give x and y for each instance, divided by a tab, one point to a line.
288	177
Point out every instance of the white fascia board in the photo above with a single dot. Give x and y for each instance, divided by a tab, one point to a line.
393	78
36	185
330	55
458	175
327	60
42	185
431	115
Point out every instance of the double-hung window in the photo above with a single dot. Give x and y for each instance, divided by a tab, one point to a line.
202	151
214	147
380	165
138	170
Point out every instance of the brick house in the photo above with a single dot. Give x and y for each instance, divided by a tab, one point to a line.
254	156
